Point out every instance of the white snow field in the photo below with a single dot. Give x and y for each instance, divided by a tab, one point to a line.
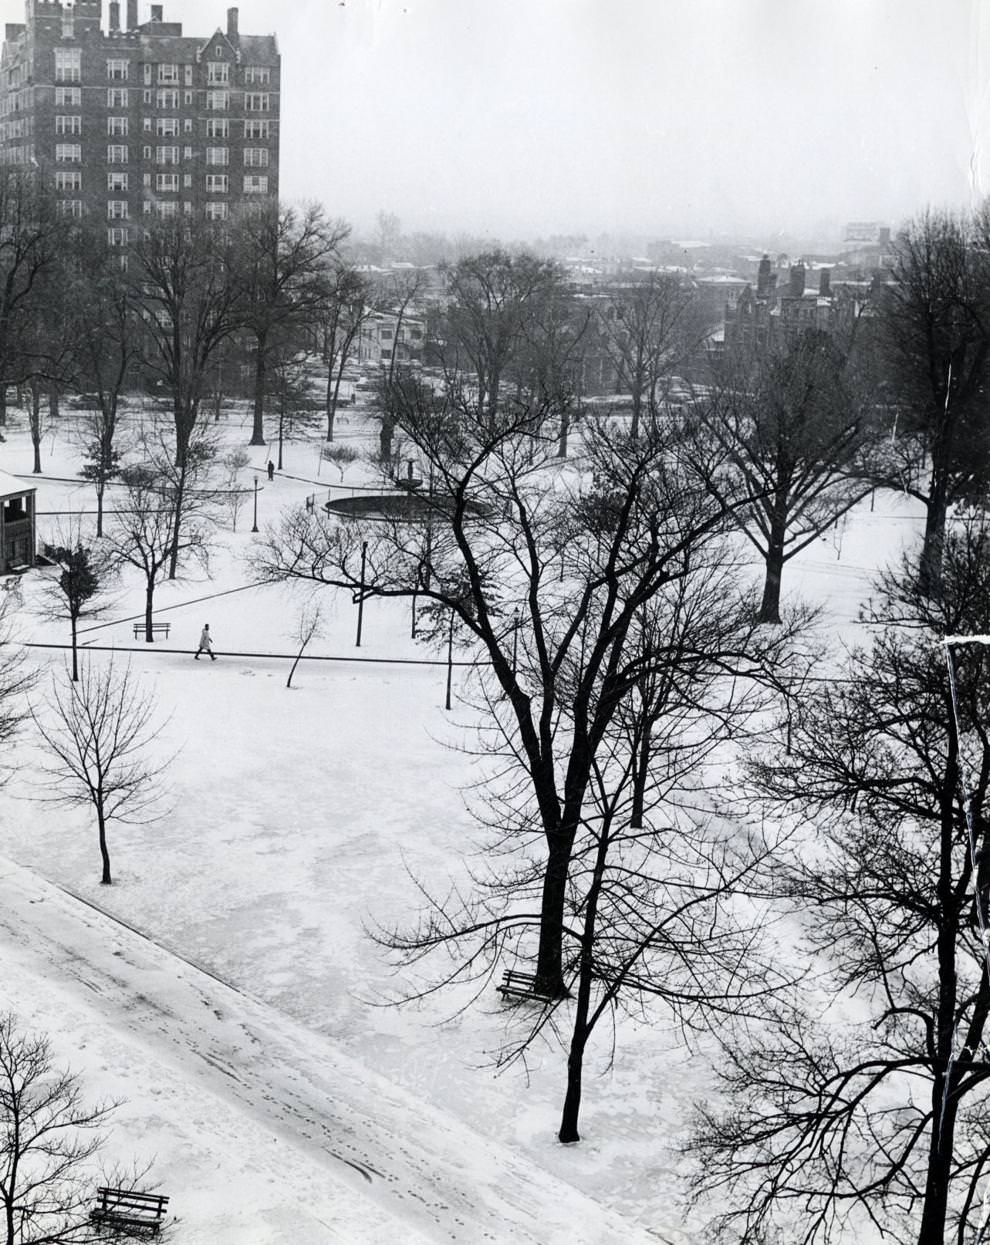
226	985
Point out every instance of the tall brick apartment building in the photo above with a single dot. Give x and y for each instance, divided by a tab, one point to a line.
139	120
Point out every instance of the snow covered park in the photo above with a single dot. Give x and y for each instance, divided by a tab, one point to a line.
227	988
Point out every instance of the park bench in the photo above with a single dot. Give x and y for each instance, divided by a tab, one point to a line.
518	985
134	1213
161	628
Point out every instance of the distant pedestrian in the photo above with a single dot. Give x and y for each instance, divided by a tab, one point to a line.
271	470
205	643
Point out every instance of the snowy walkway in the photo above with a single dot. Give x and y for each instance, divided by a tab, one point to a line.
397	1168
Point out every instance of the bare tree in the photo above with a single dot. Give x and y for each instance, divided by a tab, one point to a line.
576	558
15	679
283	257
99	732
182	273
143	532
32	245
346	307
309	625
234	496
106	335
861	1100
787	428
651	325
933	323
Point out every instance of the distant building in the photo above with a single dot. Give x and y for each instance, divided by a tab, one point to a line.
17	519
139	121
775	313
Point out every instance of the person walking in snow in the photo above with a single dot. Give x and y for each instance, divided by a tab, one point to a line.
271	470
205	643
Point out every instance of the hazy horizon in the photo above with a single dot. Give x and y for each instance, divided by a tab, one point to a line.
663	118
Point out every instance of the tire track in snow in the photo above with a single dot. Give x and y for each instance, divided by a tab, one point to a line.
410	1158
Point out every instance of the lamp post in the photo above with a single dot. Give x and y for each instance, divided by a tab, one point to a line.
360	600
254	526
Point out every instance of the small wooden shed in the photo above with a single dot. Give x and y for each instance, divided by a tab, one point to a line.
17	524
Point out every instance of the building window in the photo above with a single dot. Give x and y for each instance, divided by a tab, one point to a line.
117	71
68	125
218	127
69	207
117	127
255	185
256	157
115	181
68	96
166	155
68	181
117	209
116	96
148	125
189	75
216	211
68	153
148	96
117	236
68	24
167	210
68	64
217	183
146	178
257	75
187	125
168	75
189	98
256	101
217	101
147	75
167	127
217	73
217	155
167	99
257	129
187	181
148	153
116	154
167	182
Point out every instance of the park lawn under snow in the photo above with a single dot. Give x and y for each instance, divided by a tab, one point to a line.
241	1014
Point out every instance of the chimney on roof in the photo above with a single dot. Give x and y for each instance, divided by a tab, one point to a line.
763	277
825	282
114	16
796	280
232	15
132	14
157	12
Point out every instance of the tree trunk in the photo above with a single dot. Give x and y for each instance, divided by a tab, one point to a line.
582	1029
75	653
36	428
565	427
549	962
100	490
770	607
149	605
639	778
106	879
933	546
53	402
260	372
637	411
385	438
3	406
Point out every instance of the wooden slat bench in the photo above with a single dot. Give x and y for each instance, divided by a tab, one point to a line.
140	1213
518	985
159	628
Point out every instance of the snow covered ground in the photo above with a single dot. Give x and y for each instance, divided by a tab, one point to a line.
226	986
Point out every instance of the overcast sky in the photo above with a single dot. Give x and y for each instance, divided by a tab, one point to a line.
666	117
